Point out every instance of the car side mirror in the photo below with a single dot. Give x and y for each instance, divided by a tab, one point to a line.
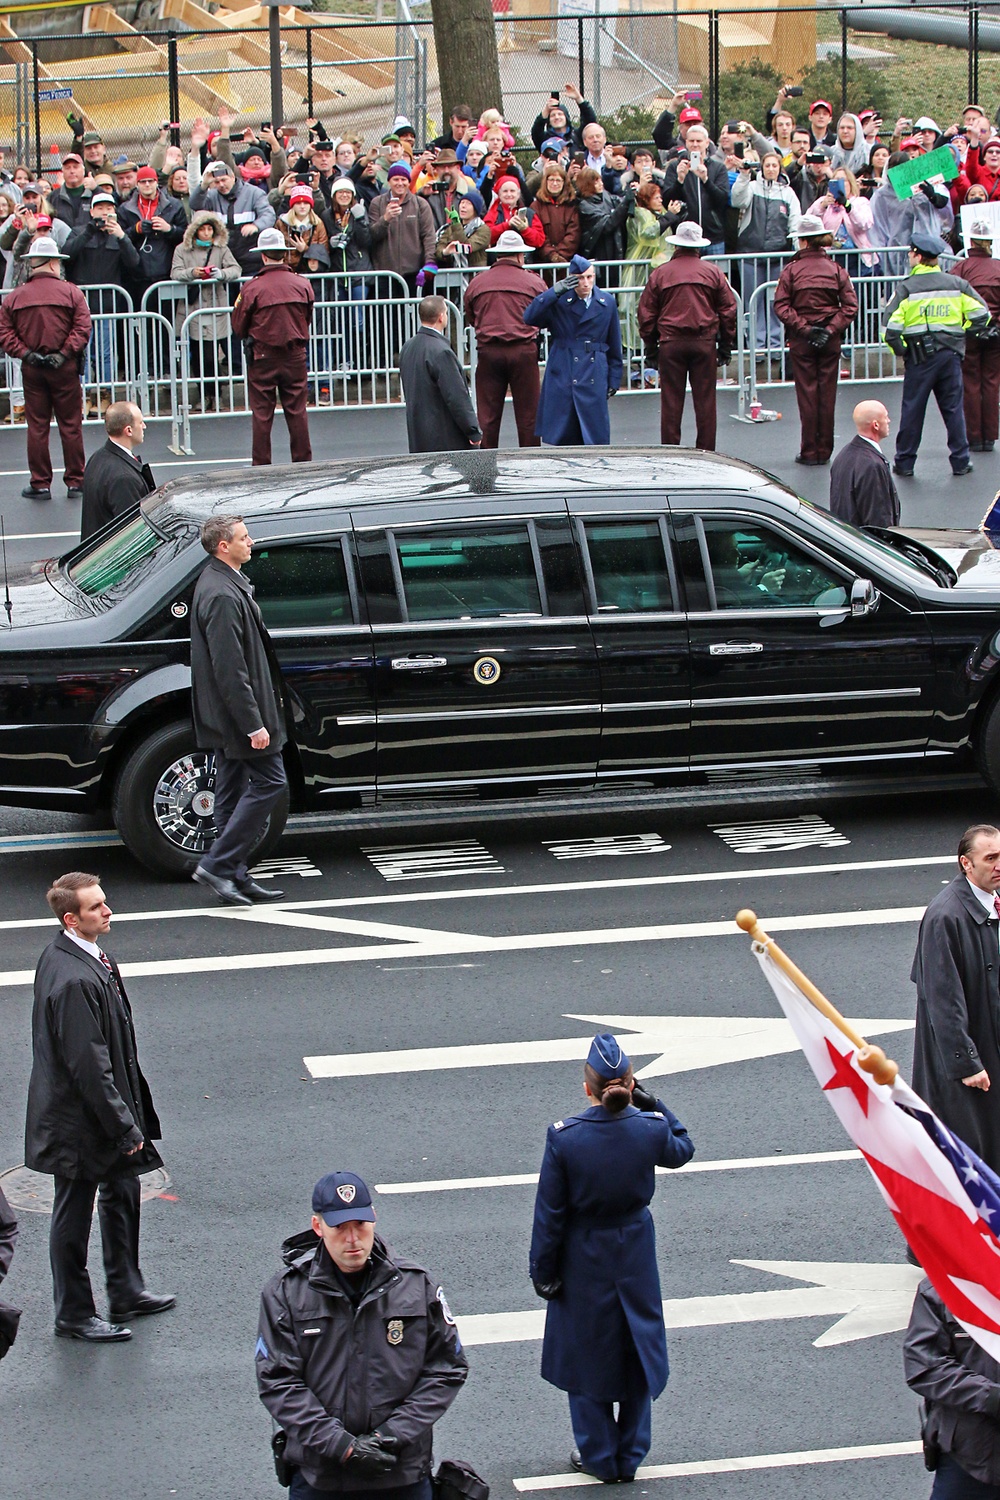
864	598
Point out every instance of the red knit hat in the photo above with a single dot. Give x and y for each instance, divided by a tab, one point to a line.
146	174
508	178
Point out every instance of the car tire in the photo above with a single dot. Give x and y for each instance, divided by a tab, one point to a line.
156	808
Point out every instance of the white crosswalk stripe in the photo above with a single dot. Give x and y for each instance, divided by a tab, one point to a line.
269	868
613	845
809	831
431	861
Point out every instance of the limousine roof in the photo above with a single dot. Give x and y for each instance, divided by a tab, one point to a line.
618	472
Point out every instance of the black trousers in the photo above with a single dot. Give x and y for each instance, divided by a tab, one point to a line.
69	1236
245	792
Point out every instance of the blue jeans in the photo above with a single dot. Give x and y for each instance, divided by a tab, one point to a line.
101	361
952	1483
245	792
419	1491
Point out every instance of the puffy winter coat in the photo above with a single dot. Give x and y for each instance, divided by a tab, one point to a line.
205	296
769	213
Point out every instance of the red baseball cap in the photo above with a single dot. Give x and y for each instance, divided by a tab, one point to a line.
912	141
821	104
72	156
690	116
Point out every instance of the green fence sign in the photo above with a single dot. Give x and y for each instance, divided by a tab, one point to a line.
939	163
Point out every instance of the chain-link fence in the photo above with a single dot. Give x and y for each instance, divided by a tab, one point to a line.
626	57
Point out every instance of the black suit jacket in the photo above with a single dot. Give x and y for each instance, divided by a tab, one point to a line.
88	1103
861	487
235	678
113	482
440	416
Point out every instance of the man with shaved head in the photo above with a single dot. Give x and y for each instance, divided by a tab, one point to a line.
861	487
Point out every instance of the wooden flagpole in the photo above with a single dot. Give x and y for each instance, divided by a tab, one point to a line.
871	1059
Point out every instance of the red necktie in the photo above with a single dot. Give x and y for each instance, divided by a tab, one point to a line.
105	960
996	904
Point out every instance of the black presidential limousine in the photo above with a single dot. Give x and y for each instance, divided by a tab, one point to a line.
495	624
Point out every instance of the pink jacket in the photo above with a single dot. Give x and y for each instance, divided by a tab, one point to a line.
857	219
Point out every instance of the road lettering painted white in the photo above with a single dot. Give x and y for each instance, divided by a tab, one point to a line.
743	1465
867	1300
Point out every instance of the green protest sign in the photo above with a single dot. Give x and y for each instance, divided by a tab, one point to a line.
939	163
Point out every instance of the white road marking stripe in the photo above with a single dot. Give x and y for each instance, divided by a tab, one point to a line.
432	861
612	846
273	915
732	1465
775	834
547	888
519	942
293	865
528	1179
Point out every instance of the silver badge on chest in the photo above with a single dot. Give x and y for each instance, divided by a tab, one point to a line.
394	1331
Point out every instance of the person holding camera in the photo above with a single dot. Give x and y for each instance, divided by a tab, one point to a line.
769	215
357	1355
99	254
593	1261
702	181
46	325
554	119
926	323
507	211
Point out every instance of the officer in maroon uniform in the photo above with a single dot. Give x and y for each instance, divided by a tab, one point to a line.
507	349
816	301
981	366
687	323
46	324
273	314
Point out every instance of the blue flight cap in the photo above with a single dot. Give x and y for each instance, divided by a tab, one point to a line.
578	265
342	1196
928	244
606	1057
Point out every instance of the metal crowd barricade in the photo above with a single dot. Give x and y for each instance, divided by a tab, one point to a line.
132	358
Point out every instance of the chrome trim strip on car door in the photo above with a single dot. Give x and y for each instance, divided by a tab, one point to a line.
840	697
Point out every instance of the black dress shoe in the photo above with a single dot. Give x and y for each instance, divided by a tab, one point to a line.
145	1306
959	473
30	494
94	1331
227	892
810	463
986	447
258	893
74	493
903	473
576	1462
976	447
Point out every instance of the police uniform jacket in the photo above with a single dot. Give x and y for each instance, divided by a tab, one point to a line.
956	969
275	309
328	1371
496	300
584	364
688	298
593	1232
982	273
960	1385
934	302
235	677
47	315
815	290
88	1102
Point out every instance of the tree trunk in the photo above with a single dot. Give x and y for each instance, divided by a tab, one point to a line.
468	66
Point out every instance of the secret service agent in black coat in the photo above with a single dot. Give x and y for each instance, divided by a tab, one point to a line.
960	1386
89	1106
861	487
113	481
234	674
440	416
956	969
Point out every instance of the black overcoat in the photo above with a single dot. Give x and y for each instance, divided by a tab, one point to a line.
861	487
440	416
88	1103
960	1385
957	973
235	678
113	481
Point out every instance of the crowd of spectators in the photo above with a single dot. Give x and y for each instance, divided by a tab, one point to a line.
431	212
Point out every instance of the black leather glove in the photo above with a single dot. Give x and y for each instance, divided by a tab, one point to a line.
371	1455
54	361
818	337
33	358
612	392
928	190
643	1099
723	355
651	354
989	335
547	1290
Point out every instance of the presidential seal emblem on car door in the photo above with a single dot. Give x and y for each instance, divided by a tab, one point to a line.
486	671
394	1331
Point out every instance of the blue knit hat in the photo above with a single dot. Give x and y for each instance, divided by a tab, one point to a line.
477	201
606	1057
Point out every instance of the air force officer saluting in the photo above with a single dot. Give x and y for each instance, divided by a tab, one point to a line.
593	1258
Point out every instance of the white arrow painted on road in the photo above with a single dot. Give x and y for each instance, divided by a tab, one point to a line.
681	1044
868	1299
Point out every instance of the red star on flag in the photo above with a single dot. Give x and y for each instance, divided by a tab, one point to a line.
845	1077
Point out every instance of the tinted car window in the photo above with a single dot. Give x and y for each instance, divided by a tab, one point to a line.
105	567
301	584
629	566
466	573
754	567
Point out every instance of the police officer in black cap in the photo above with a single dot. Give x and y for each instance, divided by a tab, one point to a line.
357	1355
926	323
593	1259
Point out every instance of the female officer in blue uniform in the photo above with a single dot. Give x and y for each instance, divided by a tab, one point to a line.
593	1258
584	367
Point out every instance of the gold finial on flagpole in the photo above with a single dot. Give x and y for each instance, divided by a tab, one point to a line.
870	1059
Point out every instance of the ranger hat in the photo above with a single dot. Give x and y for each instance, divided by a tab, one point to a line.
688	236
43	249
510	243
342	1197
979	229
809	227
927	244
606	1057
271	240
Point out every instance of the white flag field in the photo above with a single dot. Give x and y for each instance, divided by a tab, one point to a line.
945	1200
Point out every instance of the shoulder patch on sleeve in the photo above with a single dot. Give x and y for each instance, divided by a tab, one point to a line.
261	1350
559	1125
446	1311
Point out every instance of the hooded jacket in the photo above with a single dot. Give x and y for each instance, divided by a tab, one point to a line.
769	212
246	204
205	296
329	1371
854	158
894	219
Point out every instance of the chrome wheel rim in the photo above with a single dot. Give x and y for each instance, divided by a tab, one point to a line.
184	802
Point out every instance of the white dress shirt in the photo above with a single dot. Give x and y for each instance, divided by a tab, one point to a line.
85	944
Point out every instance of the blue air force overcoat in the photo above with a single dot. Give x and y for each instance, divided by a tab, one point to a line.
593	1232
584	364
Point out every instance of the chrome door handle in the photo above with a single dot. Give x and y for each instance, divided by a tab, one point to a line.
417	663
735	648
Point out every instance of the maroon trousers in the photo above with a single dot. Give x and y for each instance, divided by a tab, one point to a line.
272	373
500	365
981	391
815	372
680	359
59	392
